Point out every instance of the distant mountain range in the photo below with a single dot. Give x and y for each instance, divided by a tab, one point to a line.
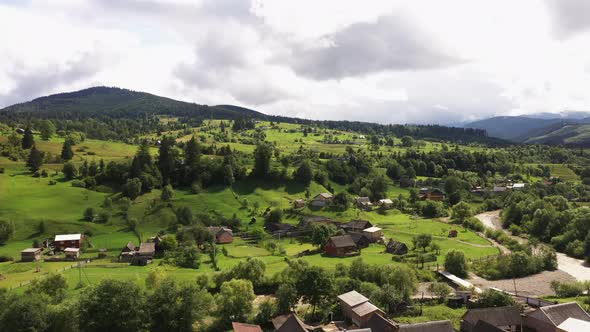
567	128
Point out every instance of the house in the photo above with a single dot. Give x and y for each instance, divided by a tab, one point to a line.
128	252
364	203
102	253
548	318
518	186
357	308
322	199
385	203
278	228
145	254
299	203
242	327
438	326
507	318
373	233
499	189
72	253
290	323
61	242
396	248
356	225
573	325
381	324
221	234
31	254
341	246
360	239
433	194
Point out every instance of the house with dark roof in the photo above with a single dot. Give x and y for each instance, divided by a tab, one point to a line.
31	254
128	252
506	318
361	240
546	319
341	246
290	323
145	254
242	327
431	194
396	247
434	326
221	234
278	228
356	225
357	308
381	324
322	199
364	203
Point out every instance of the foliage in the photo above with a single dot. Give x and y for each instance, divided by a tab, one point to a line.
492	298
6	230
456	263
234	300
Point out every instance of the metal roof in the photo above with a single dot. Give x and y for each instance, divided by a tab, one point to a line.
68	237
353	298
71	249
365	309
372	229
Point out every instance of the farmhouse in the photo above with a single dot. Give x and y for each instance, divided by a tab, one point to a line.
341	246
547	318
396	248
61	242
373	233
299	203
433	194
364	203
31	254
357	308
290	323
381	324
356	225
242	327
322	199
438	326
507	318
221	234
128	252
72	253
361	240
385	203
145	254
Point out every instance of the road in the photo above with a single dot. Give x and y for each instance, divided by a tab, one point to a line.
577	268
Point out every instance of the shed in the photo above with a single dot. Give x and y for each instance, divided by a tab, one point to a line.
299	203
222	234
385	203
357	225
322	199
31	254
61	242
453	233
549	317
242	327
396	248
381	324
364	203
341	246
357	308
373	233
361	240
72	253
503	317
145	254
438	326
290	323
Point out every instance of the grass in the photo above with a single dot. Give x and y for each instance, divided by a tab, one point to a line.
435	312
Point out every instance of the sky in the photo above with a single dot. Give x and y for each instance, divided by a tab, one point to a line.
380	61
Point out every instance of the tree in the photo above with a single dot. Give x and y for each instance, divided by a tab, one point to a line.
234	300
462	211
175	307
407	141
132	188
35	160
321	233
314	285
69	170
89	214
188	257
27	141
66	150
492	298
112	305
440	290
262	155
184	215
47	129
303	174
6	230
266	310
167	158
53	285
24	313
422	241
167	193
275	215
456	263
286	297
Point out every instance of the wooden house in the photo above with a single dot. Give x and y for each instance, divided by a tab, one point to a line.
299	203
396	248
438	326
357	308
364	203
341	246
385	203
381	324
128	252
548	318
242	327
222	234
431	194
145	254
373	233
31	254
290	323
453	233
356	225
61	242
72	253
360	239
322	199
507	318
278	228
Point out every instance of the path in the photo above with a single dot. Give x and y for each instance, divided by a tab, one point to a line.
577	268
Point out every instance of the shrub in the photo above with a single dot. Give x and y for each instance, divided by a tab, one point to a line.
52	182
567	289
78	184
474	224
456	263
492	298
5	258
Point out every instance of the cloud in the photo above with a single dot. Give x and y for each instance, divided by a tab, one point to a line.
390	43
569	17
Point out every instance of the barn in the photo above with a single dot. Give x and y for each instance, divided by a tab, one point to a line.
61	242
340	246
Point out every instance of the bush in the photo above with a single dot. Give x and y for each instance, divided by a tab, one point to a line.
492	298
52	182
567	289
78	184
474	224
456	263
4	258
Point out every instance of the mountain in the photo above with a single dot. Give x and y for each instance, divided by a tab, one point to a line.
514	128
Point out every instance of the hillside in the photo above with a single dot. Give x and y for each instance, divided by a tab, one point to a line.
571	134
513	127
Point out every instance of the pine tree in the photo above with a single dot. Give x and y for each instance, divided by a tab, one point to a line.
28	140
66	151
35	159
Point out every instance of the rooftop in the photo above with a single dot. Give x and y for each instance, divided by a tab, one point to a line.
68	237
242	327
353	298
343	241
559	313
372	229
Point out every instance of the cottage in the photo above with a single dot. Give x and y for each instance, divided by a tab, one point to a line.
373	233
573	325
438	326
322	199
341	246
299	203
433	194
61	242
290	323
242	327
385	203
507	318
381	324
499	189
546	319
361	240
357	308
72	253
356	225
221	234
128	252
518	186
364	203
145	254
278	228
31	254
396	248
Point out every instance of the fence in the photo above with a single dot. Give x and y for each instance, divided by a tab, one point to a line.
26	282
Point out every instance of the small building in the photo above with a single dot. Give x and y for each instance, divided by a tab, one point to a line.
548	318
364	203
385	203
357	308
102	253
453	233
506	318
499	189
61	242
431	194
128	252
360	239
242	327
381	324
299	203
222	234
396	248
322	199
290	323
278	228
373	233
356	225
145	254
438	326
518	186
341	246
72	253
31	254
573	325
